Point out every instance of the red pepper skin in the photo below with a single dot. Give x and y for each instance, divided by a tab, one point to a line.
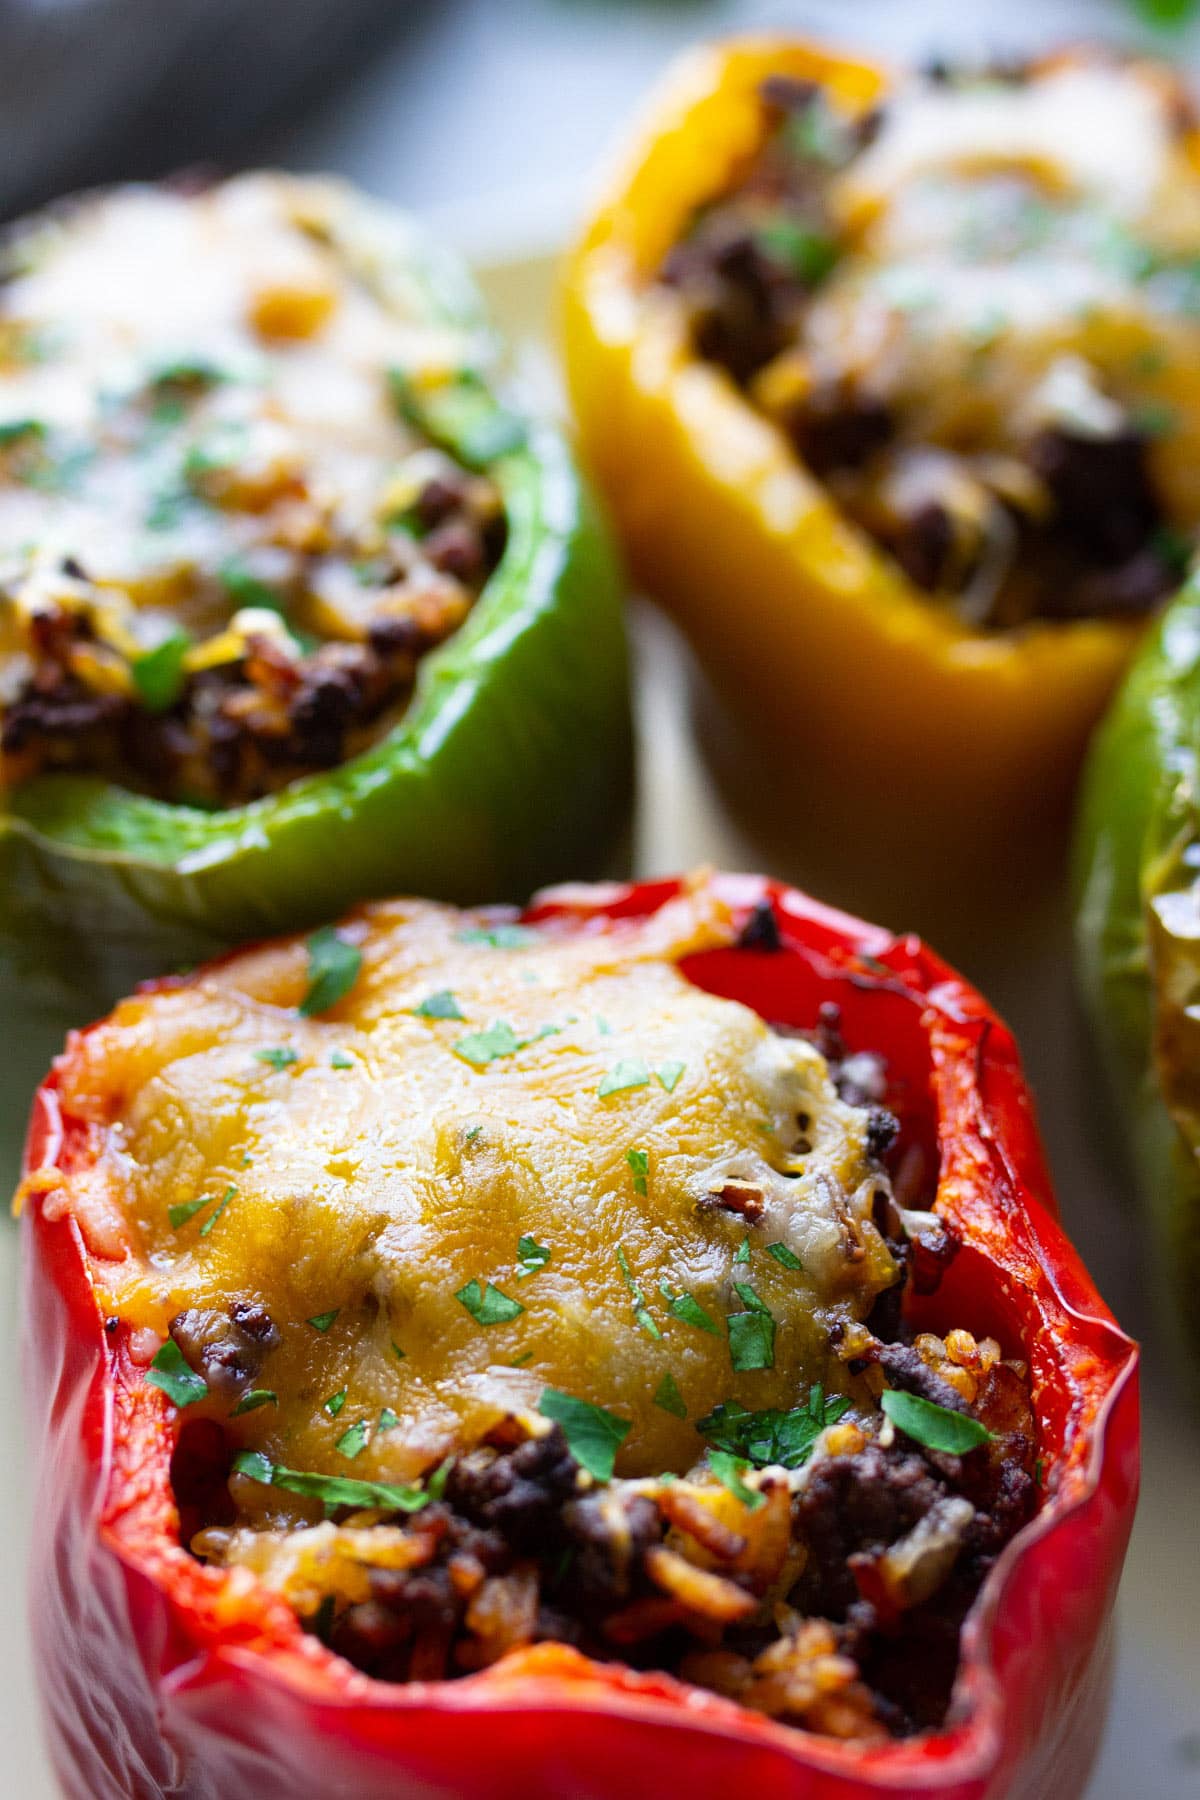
164	1678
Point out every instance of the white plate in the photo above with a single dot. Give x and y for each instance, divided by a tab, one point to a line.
1152	1743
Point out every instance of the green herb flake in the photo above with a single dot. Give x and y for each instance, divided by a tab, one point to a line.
641	1311
14	431
499	937
212	1218
519	1362
187	1209
159	675
280	1057
253	1400
532	1257
936	1427
593	1435
668	1076
743	1252
783	1255
668	1398
773	1437
629	1073
483	1047
388	1420
335	1403
487	1305
322	1321
333	1490
340	1060
751	1340
807	254
471	1135
685	1306
333	969
750	1299
729	1471
441	1005
170	1372
399	1354
353	1440
639	1162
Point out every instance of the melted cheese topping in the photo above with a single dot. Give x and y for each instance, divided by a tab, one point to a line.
994	231
188	381
384	1188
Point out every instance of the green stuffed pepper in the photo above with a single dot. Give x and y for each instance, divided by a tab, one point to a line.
1137	869
293	608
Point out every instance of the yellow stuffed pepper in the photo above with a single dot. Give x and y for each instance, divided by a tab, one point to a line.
893	385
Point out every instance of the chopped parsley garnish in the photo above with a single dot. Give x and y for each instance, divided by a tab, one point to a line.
641	1311
170	1372
353	1440
937	1427
532	1257
471	1134
335	1490
333	967
280	1057
335	1403
441	1005
253	1400
212	1218
387	1420
593	1435
187	1209
807	254
499	937
12	431
639	1162
159	675
518	1362
339	1060
751	1336
397	1352
483	1047
743	1251
750	1299
629	1073
668	1397
668	1075
487	1305
322	1321
729	1470
783	1255
245	588
685	1306
773	1436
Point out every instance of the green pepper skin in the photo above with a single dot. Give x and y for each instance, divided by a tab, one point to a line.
511	767
1137	859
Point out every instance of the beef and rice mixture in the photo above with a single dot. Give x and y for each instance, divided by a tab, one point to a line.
224	545
813	1557
975	311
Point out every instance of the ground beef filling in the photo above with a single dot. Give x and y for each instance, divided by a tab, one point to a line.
815	1565
1056	514
227	535
261	701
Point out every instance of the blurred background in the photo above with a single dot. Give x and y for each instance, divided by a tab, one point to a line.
490	116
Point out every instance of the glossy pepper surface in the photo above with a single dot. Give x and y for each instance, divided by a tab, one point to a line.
1137	850
162	1676
819	643
511	763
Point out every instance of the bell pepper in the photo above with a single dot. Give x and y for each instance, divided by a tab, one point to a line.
512	761
835	665
1138	933
163	1676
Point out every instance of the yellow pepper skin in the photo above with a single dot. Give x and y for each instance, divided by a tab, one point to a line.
853	681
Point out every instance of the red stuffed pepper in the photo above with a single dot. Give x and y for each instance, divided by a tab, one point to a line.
623	1348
